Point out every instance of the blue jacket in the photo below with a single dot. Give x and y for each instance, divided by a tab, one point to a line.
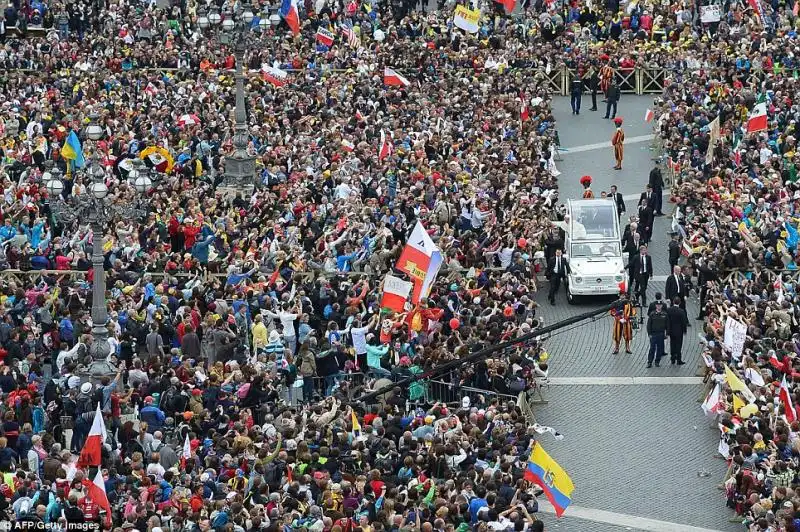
34	234
200	249
7	232
153	416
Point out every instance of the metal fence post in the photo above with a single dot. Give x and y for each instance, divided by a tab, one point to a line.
639	85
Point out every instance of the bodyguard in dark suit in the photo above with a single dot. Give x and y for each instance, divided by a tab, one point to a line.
649	197
611	100
630	245
645	221
674	251
705	274
618	199
642	271
557	270
677	287
656	182
594	86
677	325
575	93
657	326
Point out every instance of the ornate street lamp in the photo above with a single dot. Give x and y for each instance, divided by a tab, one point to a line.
235	28
95	207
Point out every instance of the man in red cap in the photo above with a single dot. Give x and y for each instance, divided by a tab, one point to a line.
617	142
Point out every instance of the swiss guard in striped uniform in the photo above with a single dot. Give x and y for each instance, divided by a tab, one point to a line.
623	314
586	181
617	141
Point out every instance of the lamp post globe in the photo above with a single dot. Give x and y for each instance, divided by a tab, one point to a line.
94	132
54	187
99	190
142	184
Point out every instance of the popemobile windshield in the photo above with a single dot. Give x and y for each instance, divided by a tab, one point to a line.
593	247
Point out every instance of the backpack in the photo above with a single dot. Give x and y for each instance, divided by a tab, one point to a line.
273	474
167	400
179	403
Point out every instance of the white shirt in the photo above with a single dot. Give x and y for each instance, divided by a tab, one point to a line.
343	191
359	337
287	321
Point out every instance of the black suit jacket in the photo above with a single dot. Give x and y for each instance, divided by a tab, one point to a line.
563	271
613	93
636	266
678	322
651	201
620	201
674	288
655	179
674	251
705	274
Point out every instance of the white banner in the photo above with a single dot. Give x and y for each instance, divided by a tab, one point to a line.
713	137
467	19
709	14
735	334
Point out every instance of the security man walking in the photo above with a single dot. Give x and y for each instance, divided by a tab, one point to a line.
575	93
657	325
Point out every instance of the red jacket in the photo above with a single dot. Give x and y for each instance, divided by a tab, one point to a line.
190	232
89	508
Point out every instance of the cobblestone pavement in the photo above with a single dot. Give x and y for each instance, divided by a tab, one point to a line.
569	524
644	450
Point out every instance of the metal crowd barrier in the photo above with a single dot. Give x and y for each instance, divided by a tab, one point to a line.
354	381
637	80
651	80
524	405
628	81
17	275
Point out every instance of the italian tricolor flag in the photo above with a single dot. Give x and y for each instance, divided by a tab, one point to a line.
758	116
395	293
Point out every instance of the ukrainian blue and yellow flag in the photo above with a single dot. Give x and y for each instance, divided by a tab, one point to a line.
72	151
555	482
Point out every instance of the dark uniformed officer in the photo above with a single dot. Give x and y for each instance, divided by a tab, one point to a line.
575	92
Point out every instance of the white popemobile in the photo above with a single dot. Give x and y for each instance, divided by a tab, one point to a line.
593	248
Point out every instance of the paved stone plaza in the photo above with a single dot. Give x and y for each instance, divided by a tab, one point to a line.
637	445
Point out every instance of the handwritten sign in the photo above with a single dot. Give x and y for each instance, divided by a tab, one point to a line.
735	334
467	19
709	14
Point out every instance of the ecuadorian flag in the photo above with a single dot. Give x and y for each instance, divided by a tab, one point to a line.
72	151
555	482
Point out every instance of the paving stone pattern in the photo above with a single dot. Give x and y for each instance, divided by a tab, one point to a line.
638	449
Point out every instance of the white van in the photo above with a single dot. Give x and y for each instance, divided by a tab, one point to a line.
593	248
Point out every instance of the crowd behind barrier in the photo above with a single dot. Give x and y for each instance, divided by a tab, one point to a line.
248	326
238	381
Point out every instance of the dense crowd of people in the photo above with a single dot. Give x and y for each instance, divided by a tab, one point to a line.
245	325
736	201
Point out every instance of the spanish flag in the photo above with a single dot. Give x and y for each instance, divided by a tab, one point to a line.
555	482
72	151
356	426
